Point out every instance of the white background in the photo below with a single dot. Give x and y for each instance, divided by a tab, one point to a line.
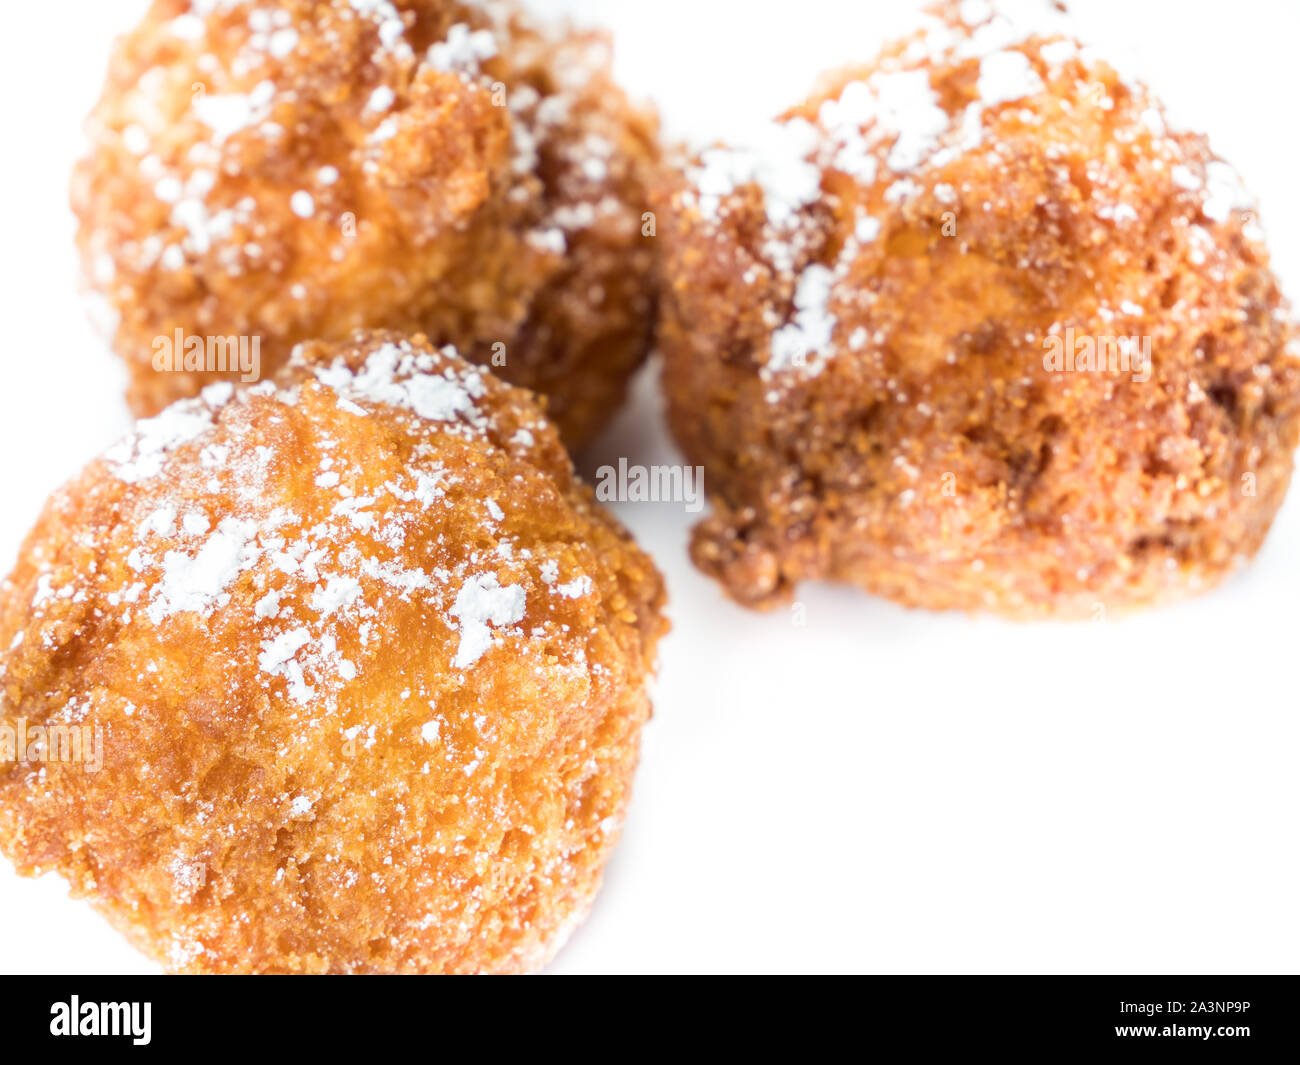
879	791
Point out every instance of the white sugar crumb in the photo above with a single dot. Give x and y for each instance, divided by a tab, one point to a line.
388	20
480	603
276	653
160	522
168	190
909	106
494	509
391	376
778	163
1007	76
437	398
463	50
268	606
301	806
866	230
282	42
1057	52
135	140
575	589
430	731
44	590
141	456
1119	213
187	876
188	27
551	240
380	100
339	592
228	114
196	584
303	204
385	131
806	340
901	105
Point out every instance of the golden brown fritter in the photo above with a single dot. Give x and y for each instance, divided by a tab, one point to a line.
368	664
300	169
977	328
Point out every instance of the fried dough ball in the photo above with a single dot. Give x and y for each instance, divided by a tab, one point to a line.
977	328
300	169
368	662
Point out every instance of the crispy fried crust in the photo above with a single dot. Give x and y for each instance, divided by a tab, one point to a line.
866	380
370	663
461	173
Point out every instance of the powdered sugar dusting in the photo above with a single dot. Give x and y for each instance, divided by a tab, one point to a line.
141	455
482	604
1007	76
806	341
249	104
778	163
403	379
317	578
197	584
891	134
463	50
229	114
